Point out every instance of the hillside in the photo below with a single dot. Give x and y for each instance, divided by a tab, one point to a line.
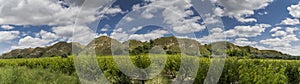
49	51
102	46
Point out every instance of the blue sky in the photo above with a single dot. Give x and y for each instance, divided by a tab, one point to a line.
264	24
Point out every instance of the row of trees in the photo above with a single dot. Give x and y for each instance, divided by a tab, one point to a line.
242	53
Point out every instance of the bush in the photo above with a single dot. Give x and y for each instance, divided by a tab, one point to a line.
244	71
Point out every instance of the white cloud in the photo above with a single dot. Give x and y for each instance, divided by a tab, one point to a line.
120	36
275	42
47	35
248	31
81	34
262	13
129	19
43	38
64	31
113	10
210	19
103	34
283	38
275	29
279	33
291	30
289	21
244	42
8	35
217	34
178	14
292	50
136	29
280	42
7	27
291	37
218	11
30	42
51	12
231	33
216	30
240	9
35	12
294	10
246	19
148	36
106	28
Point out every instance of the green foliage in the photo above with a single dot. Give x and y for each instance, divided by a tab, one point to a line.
262	72
171	45
24	75
244	71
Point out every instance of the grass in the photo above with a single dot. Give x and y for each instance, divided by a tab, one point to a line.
55	70
25	75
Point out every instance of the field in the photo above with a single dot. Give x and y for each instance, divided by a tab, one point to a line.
58	70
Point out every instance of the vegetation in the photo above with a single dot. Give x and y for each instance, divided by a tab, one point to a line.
244	64
102	46
58	70
25	75
49	51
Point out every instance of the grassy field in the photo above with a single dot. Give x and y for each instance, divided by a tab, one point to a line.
62	71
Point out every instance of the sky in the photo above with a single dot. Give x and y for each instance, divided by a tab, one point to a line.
264	24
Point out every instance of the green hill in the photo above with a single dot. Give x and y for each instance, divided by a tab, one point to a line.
49	51
102	46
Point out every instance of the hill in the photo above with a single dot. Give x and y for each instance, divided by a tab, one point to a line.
102	46
49	51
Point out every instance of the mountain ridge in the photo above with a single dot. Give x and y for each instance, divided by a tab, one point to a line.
102	46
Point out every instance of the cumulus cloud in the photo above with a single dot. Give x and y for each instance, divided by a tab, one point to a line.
283	38
35	12
275	29
244	42
217	34
240	9
214	37
8	35
106	27
178	15
216	30
43	38
292	50
247	31
49	12
291	30
129	19
58	13
7	27
294	10
289	21
148	36
280	42
275	42
47	35
279	33
79	33
120	36
114	10
31	42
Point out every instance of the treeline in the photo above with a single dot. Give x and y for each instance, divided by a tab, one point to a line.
205	51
